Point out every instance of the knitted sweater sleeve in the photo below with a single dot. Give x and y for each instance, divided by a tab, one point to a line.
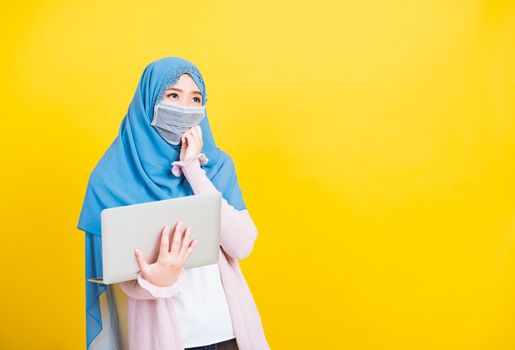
238	231
142	289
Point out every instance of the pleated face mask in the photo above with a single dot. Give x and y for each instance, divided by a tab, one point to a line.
172	121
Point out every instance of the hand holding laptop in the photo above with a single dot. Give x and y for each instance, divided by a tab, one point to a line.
175	248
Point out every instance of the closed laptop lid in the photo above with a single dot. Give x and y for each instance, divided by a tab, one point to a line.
139	226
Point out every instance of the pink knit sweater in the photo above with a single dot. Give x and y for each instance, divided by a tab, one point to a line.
151	315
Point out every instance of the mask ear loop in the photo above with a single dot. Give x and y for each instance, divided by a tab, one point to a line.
153	122
155	109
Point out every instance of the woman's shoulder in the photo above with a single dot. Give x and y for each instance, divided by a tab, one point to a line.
225	158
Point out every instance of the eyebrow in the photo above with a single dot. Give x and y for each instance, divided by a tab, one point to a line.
195	91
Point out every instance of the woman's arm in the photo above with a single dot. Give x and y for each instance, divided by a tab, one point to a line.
142	289
238	229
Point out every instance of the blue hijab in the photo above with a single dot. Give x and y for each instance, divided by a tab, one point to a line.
136	168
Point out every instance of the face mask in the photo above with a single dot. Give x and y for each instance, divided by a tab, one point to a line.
172	121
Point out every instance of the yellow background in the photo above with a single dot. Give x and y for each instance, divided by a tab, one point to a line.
373	140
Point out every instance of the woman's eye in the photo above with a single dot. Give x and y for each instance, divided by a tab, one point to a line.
196	99
174	95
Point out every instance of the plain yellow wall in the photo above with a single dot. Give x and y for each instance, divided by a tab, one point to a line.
373	140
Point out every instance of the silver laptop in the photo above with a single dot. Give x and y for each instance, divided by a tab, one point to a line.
139	226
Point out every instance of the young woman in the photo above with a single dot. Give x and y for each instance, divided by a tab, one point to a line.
155	157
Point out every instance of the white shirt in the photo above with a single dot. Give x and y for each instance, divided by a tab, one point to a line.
201	308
